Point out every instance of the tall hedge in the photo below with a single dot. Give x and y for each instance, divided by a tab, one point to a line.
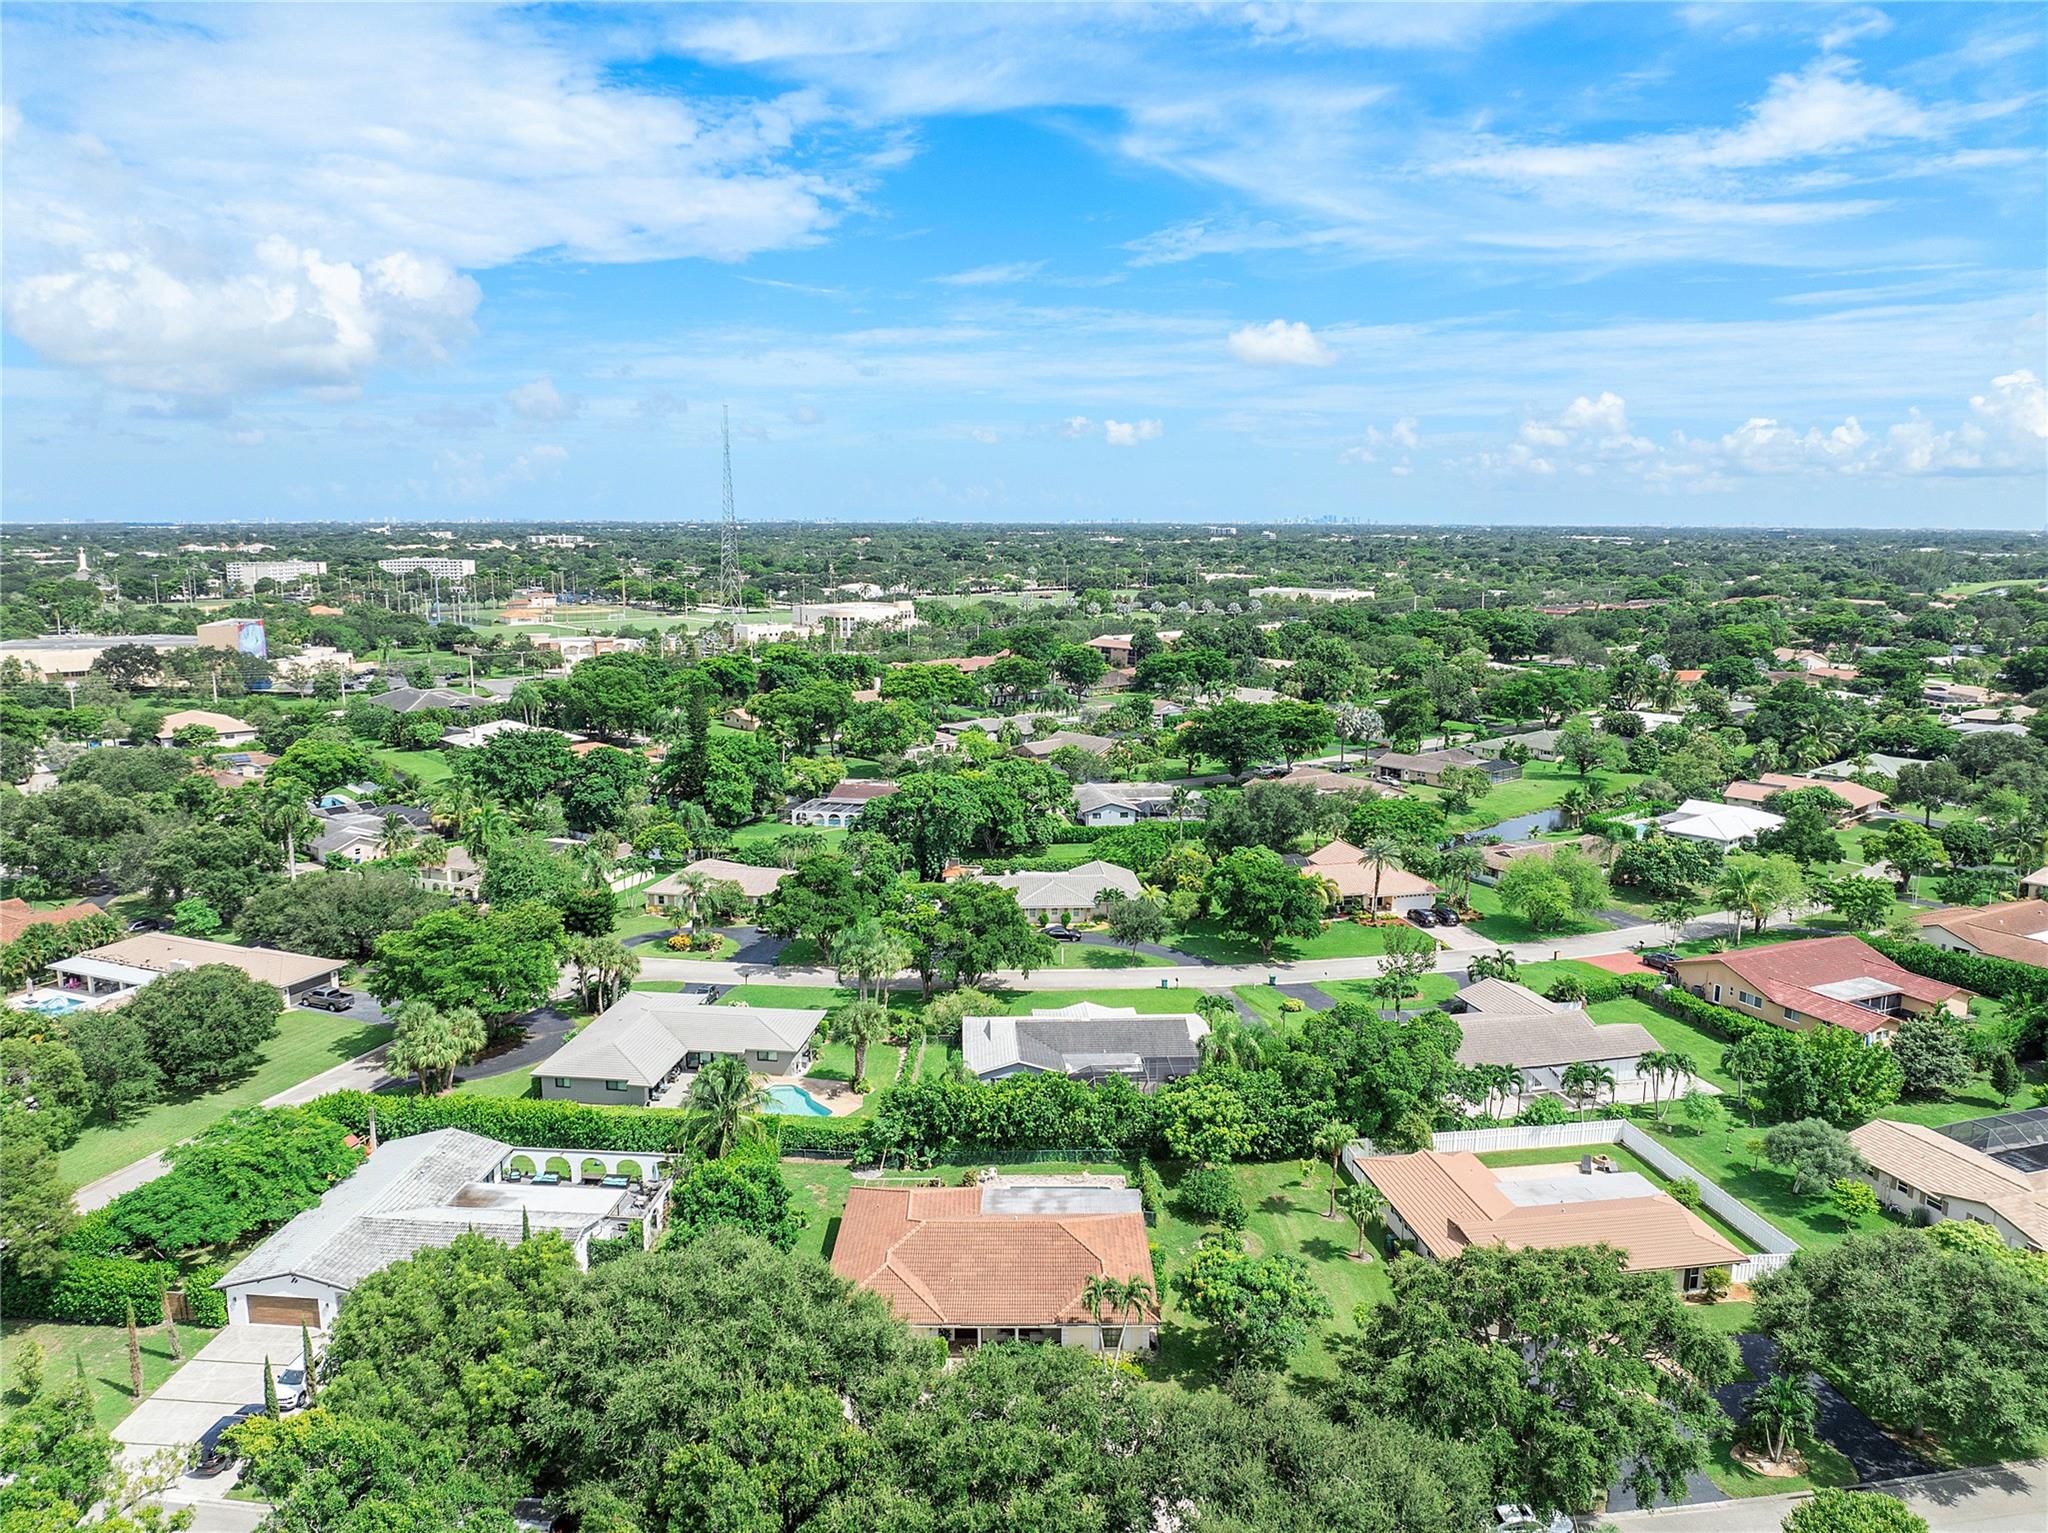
93	1290
2002	979
1686	1006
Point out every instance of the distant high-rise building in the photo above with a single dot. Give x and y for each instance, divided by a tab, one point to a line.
446	569
247	572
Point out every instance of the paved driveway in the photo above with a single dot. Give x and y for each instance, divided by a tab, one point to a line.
223	1376
1839	1424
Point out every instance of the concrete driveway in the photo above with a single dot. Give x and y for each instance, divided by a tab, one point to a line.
223	1376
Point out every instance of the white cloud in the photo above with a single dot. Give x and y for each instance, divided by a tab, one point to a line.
1280	344
1131	433
984	436
1003	275
282	318
540	402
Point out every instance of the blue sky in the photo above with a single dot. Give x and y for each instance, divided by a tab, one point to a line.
1509	264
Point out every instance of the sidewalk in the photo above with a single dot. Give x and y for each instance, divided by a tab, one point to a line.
2007	1498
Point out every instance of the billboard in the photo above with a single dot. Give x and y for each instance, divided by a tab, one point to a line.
252	641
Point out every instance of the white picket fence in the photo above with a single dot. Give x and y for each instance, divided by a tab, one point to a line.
1774	1246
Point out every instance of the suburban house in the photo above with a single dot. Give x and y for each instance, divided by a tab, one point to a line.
756	883
424	699
2017	929
1861	800
227	730
1066	896
351	837
1504	1023
1428	767
1325	780
1357	880
1839	980
1086	1041
1440	1202
1955	695
469	737
1502	855
423	1191
132	962
1121	803
641	1050
1007	1260
841	808
1061	739
1724	825
455	872
1928	1175
17	916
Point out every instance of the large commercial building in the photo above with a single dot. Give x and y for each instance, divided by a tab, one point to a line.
56	657
246	572
446	569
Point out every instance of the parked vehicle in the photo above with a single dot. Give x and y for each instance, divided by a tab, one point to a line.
209	1456
147	924
1445	915
1422	915
1063	934
1520	1519
328	998
1662	962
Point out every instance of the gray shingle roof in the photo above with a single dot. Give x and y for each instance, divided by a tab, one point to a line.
1067	891
645	1035
1079	1037
1509	1024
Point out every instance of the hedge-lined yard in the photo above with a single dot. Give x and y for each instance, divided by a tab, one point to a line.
103	1350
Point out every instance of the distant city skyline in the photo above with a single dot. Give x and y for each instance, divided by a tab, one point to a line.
1591	266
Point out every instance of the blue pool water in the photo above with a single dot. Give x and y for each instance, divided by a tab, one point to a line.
55	1005
794	1101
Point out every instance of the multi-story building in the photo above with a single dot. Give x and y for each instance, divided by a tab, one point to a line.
246	572
445	569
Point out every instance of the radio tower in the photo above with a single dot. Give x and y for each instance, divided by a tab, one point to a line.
729	578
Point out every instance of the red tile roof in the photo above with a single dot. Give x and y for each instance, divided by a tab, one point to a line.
17	916
939	1260
1790	973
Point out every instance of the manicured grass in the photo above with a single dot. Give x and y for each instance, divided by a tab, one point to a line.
1338	939
1718	1153
1286	1218
307	1043
1266	1000
104	1351
1825	1469
1704	1048
833	1061
429	767
513	1083
725	949
1089	955
1542	974
771	831
779	995
1499	924
1541	786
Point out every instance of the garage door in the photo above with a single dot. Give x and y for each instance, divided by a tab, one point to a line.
264	1310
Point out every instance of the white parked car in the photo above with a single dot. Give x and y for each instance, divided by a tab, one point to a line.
1520	1519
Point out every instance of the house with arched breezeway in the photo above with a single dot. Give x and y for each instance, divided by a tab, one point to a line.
426	1189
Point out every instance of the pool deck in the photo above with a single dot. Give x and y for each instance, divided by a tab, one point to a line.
836	1097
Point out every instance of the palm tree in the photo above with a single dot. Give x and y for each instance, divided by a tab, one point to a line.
1512	1084
1782	1406
1459	866
1578	801
282	814
1329	1143
1229	1042
1736	892
1178	803
724	1107
1362	1201
1379	851
1650	1065
1099	1292
396	838
452	803
604	967
1677	913
862	1024
1583	1079
870	954
486	826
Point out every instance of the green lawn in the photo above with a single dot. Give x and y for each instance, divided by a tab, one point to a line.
771	831
1718	1153
1265	1000
1498	924
1541	785
307	1043
429	767
833	1061
513	1083
1338	939
1089	955
104	1351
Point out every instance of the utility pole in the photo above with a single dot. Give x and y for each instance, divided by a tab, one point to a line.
730	581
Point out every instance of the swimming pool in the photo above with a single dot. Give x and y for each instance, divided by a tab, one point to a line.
54	1004
794	1101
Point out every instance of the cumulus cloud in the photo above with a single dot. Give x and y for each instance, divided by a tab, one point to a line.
540	402
285	317
2006	432
1131	433
1280	344
1402	435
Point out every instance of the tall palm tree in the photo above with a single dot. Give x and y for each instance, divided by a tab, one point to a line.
452	803
487	826
396	839
1736	892
1681	1068
1099	1292
869	954
1229	1042
282	813
1677	913
1329	1143
862	1024
1379	851
1362	1202
1459	866
1650	1065
1178	803
1782	1405
724	1107
1512	1084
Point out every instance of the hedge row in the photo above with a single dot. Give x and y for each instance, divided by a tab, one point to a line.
513	1120
2002	979
94	1290
1686	1006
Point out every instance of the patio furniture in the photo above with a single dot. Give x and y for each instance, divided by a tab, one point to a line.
614	1181
547	1179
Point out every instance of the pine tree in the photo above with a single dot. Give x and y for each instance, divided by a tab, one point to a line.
171	1327
134	1352
525	1226
306	1356
270	1406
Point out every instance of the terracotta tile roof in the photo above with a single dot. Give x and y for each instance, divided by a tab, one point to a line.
1792	974
940	1260
1353	880
1935	1163
1854	794
2017	929
17	916
755	883
1452	1200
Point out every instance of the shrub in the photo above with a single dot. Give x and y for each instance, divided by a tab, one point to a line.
93	1290
1209	1195
602	1251
1685	1192
1151	1188
1715	1283
206	1304
1292	1003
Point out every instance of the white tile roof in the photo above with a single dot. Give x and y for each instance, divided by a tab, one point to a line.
645	1035
1067	891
